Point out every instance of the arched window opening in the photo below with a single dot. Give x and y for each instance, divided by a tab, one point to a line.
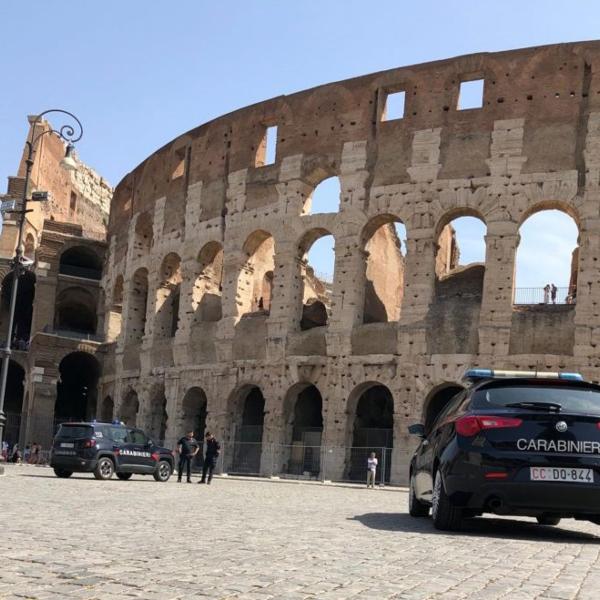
130	408
206	296
384	272
373	431
75	311
193	412
167	298
260	252
158	417
81	261
30	246
138	304
107	410
317	264
306	431
249	432
76	388
547	259
325	198
13	407
116	310
23	309
142	241
436	402
461	244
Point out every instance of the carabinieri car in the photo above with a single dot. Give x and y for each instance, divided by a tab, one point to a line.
511	443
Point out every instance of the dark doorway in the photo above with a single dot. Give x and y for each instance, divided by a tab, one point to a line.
248	437
13	406
23	309
130	408
194	409
76	388
80	261
307	429
157	423
373	432
108	408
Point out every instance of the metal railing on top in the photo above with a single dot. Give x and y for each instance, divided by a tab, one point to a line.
542	295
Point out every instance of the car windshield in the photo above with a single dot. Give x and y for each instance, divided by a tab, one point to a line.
74	431
568	399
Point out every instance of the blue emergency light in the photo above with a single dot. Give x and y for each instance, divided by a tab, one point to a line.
497	374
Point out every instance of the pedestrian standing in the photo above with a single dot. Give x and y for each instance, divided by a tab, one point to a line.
187	447
5	450
546	293
372	463
27	454
553	291
15	456
210	457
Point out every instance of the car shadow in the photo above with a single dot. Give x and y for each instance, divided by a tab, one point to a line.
481	526
140	479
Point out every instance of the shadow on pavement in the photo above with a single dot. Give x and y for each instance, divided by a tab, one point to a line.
134	479
483	526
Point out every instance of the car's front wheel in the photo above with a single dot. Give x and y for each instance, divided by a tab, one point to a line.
124	476
445	516
62	473
416	508
548	520
104	469
163	471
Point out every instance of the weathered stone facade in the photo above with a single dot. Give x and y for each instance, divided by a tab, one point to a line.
188	229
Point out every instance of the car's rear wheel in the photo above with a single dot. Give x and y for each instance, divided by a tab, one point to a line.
548	520
124	476
62	473
416	508
163	471
445	516
104	469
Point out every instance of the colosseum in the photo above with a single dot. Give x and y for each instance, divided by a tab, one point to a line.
213	317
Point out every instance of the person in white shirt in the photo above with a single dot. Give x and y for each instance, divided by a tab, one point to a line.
371	470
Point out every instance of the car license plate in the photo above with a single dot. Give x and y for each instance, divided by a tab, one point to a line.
67	445
561	474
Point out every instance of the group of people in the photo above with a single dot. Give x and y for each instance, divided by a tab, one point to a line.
188	447
32	454
551	291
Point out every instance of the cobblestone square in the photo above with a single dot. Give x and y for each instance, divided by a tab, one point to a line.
258	540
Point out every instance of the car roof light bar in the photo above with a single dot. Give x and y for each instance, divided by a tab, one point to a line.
497	374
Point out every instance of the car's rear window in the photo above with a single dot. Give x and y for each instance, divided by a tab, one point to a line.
571	399
75	431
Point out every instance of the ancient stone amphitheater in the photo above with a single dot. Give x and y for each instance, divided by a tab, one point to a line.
218	321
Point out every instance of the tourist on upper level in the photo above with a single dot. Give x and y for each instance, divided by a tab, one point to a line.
547	293
553	291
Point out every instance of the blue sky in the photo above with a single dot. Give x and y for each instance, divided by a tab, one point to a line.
139	73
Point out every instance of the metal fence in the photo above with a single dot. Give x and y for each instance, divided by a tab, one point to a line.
540	295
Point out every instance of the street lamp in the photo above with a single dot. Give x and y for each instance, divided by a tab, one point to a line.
70	134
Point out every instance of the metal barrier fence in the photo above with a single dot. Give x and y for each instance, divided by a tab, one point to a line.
540	295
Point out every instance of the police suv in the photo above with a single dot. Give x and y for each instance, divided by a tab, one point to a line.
107	448
511	443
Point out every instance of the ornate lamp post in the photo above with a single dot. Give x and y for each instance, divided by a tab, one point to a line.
70	134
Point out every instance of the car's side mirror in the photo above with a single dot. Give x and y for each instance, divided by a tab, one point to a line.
149	443
417	429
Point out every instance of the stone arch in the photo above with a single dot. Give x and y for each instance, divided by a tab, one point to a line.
21	331
81	261
303	413
437	400
370	412
259	253
76	311
143	235
138	304
157	416
384	269
193	412
76	389
316	295
166	319
325	197
130	407
107	410
206	295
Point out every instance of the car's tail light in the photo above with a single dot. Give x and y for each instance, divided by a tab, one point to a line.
496	475
471	425
155	456
89	443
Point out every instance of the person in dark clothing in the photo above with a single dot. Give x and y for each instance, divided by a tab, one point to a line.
187	447
210	457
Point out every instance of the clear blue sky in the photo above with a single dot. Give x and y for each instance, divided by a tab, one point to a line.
138	73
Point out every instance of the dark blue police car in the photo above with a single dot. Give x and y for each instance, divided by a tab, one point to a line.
107	448
511	443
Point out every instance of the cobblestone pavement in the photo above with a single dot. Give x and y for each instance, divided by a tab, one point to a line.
256	540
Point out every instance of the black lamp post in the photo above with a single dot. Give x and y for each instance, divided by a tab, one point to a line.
70	134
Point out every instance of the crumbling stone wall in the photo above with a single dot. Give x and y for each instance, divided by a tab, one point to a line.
534	144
